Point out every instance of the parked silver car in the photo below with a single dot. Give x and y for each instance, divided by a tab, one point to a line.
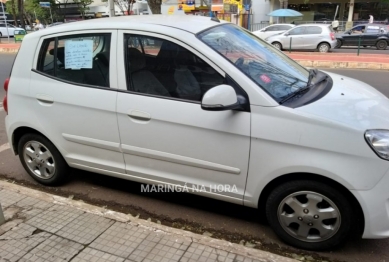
319	37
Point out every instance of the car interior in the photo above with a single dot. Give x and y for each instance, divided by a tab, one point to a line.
98	75
163	68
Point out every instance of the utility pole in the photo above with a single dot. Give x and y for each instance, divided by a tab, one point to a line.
111	4
5	19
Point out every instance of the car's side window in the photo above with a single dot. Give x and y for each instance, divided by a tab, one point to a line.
313	30
272	28
80	59
283	27
163	68
297	31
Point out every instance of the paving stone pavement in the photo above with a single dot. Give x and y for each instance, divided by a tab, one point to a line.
43	227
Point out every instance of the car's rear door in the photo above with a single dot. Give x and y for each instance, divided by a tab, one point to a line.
312	37
73	94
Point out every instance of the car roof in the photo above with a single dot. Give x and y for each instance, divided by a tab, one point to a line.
320	25
192	24
380	25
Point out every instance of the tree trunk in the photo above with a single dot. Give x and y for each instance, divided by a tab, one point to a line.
21	12
155	6
13	11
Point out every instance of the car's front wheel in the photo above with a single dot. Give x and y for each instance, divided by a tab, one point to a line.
42	160
382	45
277	45
310	215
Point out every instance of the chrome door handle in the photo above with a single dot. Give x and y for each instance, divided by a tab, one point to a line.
45	99
139	115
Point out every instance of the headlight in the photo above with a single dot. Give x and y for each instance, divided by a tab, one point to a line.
379	142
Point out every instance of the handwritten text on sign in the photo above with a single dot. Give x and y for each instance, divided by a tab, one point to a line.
78	54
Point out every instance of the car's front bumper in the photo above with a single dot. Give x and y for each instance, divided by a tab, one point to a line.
375	205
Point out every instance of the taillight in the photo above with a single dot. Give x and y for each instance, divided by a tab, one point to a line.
5	100
332	36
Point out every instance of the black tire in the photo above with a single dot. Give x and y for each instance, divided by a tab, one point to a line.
323	48
382	45
346	218
61	169
277	45
338	43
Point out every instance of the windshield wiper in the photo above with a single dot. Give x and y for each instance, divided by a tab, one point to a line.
298	92
312	74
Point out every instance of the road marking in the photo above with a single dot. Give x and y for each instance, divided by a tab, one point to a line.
4	147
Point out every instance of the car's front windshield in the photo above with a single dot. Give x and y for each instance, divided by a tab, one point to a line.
269	68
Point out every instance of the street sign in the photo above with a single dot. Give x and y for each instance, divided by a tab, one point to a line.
44	4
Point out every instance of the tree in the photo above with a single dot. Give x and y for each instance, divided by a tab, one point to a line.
12	5
33	10
83	6
155	6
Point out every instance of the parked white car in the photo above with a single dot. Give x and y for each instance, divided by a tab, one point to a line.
208	108
273	30
4	31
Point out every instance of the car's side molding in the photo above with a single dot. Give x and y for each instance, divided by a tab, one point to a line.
143	152
112	146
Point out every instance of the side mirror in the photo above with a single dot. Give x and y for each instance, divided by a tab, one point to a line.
220	98
286	34
263	30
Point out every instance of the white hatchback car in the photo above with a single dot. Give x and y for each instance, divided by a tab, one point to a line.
273	30
8	29
197	104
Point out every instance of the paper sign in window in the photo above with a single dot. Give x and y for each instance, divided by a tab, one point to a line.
78	54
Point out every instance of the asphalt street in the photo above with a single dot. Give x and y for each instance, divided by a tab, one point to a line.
194	213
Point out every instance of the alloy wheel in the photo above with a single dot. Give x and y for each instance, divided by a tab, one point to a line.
309	216
39	160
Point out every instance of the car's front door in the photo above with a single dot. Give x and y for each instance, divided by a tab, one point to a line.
353	36
72	91
166	136
294	38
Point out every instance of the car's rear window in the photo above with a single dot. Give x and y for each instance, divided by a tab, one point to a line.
313	30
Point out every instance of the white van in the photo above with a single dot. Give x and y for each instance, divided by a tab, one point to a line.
204	106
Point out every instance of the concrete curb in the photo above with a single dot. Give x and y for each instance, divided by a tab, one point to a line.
126	218
8	50
343	65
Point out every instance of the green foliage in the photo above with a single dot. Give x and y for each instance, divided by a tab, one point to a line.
83	6
42	14
12	7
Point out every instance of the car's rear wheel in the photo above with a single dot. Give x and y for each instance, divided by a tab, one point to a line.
338	43
382	45
310	214
323	48
277	45
42	160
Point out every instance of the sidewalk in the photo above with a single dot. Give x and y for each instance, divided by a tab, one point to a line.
341	60
307	59
44	227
